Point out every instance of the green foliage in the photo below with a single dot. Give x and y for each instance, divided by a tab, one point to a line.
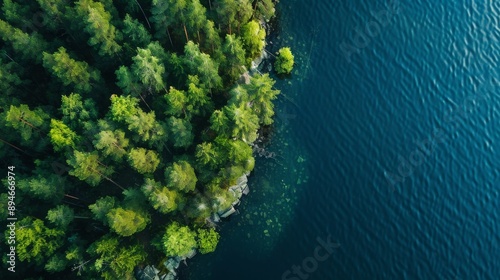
60	116
102	207
48	187
135	33
35	241
88	168
265	9
284	62
70	71
115	261
61	135
143	160
207	155
245	122
29	46
178	240
161	198
103	34
126	222
234	56
149	69
77	111
261	94
202	65
112	143
207	240
123	107
26	121
180	176
253	39
56	263
61	216
183	131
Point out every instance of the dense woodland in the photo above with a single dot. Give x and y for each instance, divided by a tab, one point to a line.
126	127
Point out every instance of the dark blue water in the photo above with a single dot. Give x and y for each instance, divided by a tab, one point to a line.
387	143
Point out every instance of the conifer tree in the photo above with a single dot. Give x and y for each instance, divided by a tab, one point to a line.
29	46
126	222
69	71
88	167
61	135
179	240
26	121
113	260
104	36
183	131
180	176
35	241
143	160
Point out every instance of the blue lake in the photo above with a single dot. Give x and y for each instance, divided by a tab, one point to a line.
385	142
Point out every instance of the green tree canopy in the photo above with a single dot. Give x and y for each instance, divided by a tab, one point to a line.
284	62
114	260
77	111
161	198
29	46
179	240
183	131
70	71
180	176
26	121
253	39
61	135
207	240
143	160
87	167
261	94
112	143
104	36
126	222
102	207
61	216
35	241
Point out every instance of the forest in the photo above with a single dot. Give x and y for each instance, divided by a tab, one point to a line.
125	125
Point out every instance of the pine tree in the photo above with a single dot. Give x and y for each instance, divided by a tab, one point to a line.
180	176
183	131
261	94
88	167
178	240
114	260
234	57
253	39
69	71
29	46
26	121
112	143
102	207
149	69
76	111
143	160
61	135
126	222
104	36
35	241
61	216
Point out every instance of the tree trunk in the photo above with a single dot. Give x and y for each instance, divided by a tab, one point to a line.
185	32
145	17
13	146
170	38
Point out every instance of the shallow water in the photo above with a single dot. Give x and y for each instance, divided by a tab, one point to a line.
390	148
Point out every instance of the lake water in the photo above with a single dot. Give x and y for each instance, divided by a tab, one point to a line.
386	142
